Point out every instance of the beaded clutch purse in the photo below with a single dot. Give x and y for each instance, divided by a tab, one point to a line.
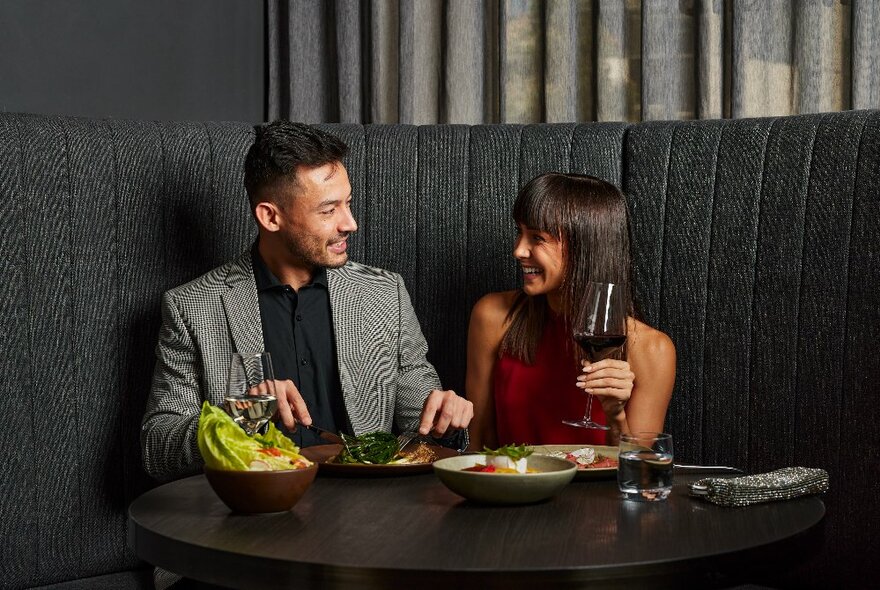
782	484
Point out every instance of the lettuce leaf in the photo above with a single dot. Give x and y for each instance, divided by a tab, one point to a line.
225	445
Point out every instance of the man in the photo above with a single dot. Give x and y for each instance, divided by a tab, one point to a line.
346	345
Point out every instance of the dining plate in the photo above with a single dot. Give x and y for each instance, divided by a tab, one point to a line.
322	455
584	474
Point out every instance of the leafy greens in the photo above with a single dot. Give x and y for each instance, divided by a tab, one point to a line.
224	445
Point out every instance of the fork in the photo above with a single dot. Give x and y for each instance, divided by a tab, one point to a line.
406	438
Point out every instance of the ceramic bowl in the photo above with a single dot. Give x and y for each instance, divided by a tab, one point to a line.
552	475
253	492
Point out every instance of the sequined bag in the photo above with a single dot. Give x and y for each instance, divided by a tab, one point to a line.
782	484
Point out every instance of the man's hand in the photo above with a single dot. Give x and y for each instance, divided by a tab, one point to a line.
291	407
445	410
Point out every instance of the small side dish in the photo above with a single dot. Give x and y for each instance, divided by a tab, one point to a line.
544	477
586	458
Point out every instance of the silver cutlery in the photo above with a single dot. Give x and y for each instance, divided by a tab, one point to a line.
325	434
406	438
679	468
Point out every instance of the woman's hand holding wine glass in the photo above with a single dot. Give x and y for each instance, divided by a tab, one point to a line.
609	380
601	333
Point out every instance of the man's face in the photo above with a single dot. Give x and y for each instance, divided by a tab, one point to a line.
316	217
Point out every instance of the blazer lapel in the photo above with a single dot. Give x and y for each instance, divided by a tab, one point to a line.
344	307
243	307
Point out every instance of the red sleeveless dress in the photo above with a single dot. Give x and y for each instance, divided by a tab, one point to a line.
531	401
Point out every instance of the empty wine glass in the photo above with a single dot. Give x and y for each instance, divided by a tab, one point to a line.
250	392
600	329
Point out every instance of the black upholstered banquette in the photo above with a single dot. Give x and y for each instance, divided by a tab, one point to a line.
757	249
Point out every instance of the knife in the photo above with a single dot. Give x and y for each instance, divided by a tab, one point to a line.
705	469
324	434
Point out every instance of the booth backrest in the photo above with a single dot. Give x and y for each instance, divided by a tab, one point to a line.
757	249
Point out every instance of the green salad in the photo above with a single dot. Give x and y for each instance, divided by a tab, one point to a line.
373	448
226	446
515	452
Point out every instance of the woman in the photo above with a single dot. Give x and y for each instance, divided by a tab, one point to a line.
525	374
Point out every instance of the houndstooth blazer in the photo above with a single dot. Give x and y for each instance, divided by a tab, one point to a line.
380	348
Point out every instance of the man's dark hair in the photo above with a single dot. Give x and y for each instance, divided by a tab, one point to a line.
280	148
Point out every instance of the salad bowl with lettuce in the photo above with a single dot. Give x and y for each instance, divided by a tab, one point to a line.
251	474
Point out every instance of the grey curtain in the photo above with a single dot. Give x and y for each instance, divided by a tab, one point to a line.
528	61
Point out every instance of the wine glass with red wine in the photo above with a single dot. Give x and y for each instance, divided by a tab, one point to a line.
601	333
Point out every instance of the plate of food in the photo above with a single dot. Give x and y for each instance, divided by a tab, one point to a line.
375	454
508	475
593	461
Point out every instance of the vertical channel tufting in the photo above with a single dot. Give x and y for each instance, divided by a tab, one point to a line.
50	320
689	205
647	149
92	184
492	186
186	202
861	368
140	281
18	518
597	150
353	136
544	148
738	180
235	229
776	296
442	201
822	326
392	166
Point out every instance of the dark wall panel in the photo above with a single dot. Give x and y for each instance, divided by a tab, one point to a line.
163	59
731	286
442	230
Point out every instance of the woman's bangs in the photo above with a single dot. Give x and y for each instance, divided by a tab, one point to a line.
538	210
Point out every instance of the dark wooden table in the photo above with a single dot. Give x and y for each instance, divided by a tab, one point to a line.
411	532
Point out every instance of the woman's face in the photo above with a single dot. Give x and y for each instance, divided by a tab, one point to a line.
540	255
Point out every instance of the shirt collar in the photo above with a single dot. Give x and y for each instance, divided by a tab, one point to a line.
267	280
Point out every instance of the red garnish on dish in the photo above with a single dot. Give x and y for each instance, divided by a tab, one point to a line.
271	451
480	468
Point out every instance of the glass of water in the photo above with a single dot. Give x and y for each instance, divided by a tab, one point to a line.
644	470
250	391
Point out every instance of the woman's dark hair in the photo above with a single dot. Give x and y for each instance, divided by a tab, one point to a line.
279	148
589	216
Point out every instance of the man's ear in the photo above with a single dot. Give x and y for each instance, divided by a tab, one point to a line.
267	215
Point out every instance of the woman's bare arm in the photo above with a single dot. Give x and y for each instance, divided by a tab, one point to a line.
485	332
652	359
634	393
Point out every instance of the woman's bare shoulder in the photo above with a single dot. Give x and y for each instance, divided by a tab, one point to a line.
495	305
491	310
650	342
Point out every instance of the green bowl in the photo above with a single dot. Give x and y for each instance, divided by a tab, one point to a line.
552	475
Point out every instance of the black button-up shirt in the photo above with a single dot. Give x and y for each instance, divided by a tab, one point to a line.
298	333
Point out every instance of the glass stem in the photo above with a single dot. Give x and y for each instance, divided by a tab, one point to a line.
588	412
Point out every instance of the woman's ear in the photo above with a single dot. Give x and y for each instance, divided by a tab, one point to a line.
267	215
